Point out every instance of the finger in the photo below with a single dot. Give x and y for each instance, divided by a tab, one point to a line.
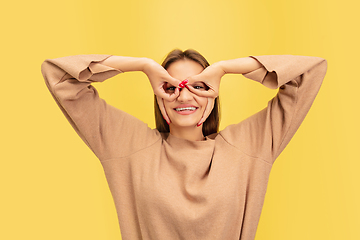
172	81
210	93
208	109
167	96
174	95
183	83
162	109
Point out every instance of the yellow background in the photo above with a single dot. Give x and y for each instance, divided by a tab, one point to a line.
53	187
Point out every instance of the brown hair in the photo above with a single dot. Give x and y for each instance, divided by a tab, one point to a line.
211	124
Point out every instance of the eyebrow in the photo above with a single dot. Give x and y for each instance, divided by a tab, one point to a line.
199	82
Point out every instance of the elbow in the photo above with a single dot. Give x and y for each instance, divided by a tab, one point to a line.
323	67
52	74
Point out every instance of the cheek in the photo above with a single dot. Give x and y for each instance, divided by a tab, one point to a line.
202	102
166	105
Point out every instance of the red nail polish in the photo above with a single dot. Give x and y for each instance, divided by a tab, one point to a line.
198	124
165	120
183	83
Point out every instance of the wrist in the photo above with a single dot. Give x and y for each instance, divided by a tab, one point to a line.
221	66
126	64
240	65
146	64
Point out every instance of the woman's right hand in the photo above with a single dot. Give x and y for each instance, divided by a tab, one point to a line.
158	78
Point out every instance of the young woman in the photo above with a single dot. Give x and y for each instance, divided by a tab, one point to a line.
186	180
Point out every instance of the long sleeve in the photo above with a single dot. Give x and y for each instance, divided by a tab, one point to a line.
265	134
109	132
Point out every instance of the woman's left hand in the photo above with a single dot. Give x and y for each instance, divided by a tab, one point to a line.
211	77
208	110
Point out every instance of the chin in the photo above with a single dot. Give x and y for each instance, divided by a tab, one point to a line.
185	120
185	125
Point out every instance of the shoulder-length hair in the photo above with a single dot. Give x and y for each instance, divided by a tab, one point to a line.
211	124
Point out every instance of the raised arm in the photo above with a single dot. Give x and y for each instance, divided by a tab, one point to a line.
108	131
265	134
212	75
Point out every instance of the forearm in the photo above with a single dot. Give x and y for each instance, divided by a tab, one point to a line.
126	64
60	74
240	65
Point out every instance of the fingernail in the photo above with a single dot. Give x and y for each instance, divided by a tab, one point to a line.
199	124
165	120
183	83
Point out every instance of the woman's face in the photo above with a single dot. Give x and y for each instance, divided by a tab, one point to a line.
188	108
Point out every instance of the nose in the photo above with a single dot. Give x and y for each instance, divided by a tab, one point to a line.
185	95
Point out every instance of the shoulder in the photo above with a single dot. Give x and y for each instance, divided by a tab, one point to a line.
249	136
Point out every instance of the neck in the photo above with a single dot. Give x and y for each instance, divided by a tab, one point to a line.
188	133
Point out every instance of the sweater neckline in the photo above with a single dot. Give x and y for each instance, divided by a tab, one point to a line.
191	160
173	140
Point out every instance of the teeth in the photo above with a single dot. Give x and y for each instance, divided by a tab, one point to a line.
186	109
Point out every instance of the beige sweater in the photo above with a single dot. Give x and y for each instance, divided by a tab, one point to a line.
166	188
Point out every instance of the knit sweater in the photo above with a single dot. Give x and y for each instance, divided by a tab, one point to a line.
168	188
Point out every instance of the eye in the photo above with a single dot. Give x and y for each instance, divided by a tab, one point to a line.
200	86
169	88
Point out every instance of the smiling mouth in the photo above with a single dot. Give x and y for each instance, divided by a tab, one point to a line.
185	109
